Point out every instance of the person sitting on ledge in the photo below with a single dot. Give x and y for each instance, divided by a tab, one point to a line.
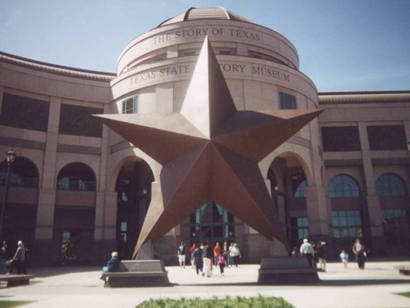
112	266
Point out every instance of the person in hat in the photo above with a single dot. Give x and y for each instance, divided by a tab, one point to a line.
306	249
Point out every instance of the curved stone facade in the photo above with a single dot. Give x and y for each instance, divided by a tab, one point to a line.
261	68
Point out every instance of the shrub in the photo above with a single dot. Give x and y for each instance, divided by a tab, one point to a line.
227	302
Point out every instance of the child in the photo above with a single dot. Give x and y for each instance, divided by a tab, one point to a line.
344	256
221	262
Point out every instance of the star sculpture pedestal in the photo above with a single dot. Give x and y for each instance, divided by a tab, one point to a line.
209	151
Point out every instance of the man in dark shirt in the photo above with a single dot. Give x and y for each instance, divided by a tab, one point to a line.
197	255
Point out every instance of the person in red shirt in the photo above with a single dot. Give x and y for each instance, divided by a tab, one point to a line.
217	252
191	254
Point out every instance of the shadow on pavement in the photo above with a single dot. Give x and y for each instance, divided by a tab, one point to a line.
55	271
321	283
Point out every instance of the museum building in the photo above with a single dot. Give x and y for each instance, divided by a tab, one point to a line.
73	180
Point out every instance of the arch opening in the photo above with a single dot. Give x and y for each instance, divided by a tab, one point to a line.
133	187
76	176
21	201
288	182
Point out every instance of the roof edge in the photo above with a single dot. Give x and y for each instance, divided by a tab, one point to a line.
55	68
365	92
365	97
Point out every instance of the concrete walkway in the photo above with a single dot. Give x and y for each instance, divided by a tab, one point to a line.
80	287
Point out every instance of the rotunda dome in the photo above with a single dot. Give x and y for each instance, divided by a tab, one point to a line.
204	13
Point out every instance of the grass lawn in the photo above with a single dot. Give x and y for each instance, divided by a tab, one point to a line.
227	302
406	294
9	304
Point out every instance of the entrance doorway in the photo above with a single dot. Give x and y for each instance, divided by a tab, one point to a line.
133	189
211	223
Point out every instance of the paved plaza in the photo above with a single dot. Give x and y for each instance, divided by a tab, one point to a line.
80	287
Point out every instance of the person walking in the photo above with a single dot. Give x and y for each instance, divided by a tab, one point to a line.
321	255
360	252
217	252
191	254
181	252
3	258
235	254
197	256
225	253
306	249
344	257
206	257
18	260
221	263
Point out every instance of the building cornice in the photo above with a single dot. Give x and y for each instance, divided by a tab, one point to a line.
364	97
56	69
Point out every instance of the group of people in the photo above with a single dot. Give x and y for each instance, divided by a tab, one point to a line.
17	263
359	251
316	255
204	257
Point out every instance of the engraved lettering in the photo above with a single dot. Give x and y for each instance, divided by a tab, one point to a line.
269	72
198	32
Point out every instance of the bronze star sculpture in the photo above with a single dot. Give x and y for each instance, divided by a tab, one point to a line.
209	151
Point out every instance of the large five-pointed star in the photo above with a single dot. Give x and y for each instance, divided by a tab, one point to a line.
209	151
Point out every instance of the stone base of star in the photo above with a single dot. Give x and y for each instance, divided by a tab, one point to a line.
138	273
286	270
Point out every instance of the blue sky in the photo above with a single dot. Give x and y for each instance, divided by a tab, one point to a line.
343	45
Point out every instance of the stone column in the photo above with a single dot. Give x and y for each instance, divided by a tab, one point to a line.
45	211
316	201
102	184
373	210
110	216
317	212
47	190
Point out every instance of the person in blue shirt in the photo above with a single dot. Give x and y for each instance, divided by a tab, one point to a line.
112	266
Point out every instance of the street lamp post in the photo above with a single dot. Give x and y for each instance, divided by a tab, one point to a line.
10	158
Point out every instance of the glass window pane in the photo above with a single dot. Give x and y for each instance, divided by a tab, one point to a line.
389	184
287	101
301	190
123	227
342	186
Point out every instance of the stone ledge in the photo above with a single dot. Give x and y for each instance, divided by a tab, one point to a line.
16	280
286	270
138	273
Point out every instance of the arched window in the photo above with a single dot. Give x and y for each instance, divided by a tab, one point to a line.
343	186
390	184
300	190
23	173
76	176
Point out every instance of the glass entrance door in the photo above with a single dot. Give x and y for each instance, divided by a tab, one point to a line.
211	223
